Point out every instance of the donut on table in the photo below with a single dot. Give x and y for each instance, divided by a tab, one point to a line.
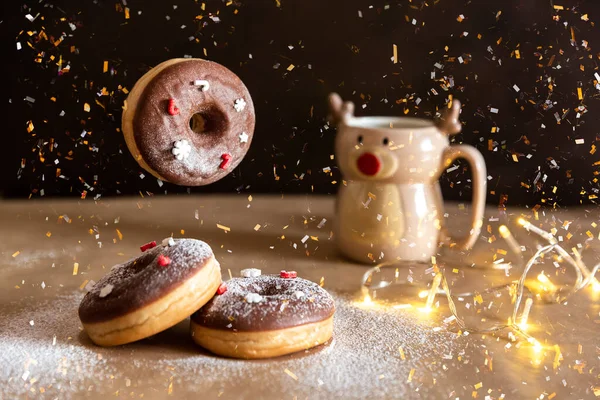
188	121
148	294
264	316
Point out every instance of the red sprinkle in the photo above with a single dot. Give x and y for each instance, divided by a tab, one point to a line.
148	246
163	261
226	160
173	110
288	274
222	289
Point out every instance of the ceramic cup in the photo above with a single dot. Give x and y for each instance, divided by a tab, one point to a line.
389	206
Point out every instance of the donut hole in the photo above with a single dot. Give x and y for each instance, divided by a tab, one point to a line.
208	121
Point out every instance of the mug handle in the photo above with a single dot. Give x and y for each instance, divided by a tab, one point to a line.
478	169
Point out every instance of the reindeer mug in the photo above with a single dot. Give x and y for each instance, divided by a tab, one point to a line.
389	206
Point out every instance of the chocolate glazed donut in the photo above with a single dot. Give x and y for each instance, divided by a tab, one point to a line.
188	121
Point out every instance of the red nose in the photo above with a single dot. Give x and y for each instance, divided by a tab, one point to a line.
368	164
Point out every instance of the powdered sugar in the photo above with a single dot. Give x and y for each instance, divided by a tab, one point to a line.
362	360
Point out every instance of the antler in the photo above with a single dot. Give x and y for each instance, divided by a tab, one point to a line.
448	122
339	110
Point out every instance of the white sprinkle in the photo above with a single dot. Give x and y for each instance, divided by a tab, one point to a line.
597	76
25	375
239	105
181	149
244	137
18	45
105	291
168	242
160	183
379	216
30	17
29	99
43	285
204	84
250	272
305	238
452	168
322	223
31	323
460	60
494	110
517	89
579	141
253	298
414	21
298	294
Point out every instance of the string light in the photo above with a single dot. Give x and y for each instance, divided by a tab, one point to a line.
584	278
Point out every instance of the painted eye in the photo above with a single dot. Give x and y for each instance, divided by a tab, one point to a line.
360	139
386	141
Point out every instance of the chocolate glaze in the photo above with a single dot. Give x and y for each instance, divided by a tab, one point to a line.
155	130
279	308
141	281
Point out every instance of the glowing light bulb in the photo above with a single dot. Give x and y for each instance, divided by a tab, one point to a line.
526	310
537	346
504	232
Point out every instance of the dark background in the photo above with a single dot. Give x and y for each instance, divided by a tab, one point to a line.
334	45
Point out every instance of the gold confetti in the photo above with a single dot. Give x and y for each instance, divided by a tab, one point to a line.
579	93
257	227
291	67
478	385
119	234
83	284
75	268
402	355
395	48
225	228
105	67
410	375
291	374
86	107
16	253
48	234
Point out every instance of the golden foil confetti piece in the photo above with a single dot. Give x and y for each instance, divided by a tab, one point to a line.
75	268
16	253
223	227
291	374
410	375
402	355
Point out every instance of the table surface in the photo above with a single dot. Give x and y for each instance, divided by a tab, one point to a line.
377	351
